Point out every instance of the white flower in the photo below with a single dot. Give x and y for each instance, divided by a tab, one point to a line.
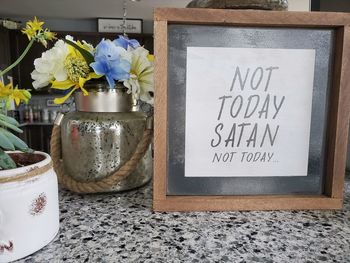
69	37
50	66
140	83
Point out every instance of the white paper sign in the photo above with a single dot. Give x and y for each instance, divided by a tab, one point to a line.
248	111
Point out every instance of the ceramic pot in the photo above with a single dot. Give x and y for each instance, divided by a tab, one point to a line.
102	135
29	213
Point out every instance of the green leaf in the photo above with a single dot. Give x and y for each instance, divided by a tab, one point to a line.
9	119
28	150
5	143
89	58
10	126
5	161
17	142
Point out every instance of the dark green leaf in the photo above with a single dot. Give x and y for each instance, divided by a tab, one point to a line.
17	142
28	150
5	143
89	58
9	119
10	126
5	161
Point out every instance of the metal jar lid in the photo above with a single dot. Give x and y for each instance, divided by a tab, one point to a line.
103	99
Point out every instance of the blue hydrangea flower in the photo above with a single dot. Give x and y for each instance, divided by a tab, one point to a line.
125	42
111	61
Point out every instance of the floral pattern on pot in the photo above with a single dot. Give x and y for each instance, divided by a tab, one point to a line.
38	205
6	246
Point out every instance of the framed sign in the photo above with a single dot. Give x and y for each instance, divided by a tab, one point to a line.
115	25
251	109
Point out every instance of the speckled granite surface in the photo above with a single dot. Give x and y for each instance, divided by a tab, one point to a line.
122	228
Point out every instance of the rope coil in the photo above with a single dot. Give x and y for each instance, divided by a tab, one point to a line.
106	183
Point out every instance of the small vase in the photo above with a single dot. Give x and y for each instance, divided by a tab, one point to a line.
29	214
102	135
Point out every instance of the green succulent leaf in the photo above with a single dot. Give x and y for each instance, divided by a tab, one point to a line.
10	126
5	161
5	143
17	142
28	150
89	58
8	119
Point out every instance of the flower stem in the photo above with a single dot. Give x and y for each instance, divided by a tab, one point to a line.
14	64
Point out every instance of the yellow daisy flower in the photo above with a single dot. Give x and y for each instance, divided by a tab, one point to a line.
19	95
32	28
35	24
49	35
9	93
5	91
31	33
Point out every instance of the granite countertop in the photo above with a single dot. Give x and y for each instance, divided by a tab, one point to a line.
123	228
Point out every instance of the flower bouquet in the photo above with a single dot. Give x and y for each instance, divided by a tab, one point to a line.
70	64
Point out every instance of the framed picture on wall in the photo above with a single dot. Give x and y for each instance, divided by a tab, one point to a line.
115	25
251	109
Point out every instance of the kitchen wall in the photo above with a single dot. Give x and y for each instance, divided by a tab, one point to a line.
80	25
299	5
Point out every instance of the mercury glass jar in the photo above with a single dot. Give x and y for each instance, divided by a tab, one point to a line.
102	134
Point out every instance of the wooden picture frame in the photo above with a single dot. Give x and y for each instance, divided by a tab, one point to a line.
338	109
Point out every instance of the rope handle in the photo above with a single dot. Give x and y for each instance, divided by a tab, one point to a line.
106	183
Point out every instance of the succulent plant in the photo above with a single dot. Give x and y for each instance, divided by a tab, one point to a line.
9	141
